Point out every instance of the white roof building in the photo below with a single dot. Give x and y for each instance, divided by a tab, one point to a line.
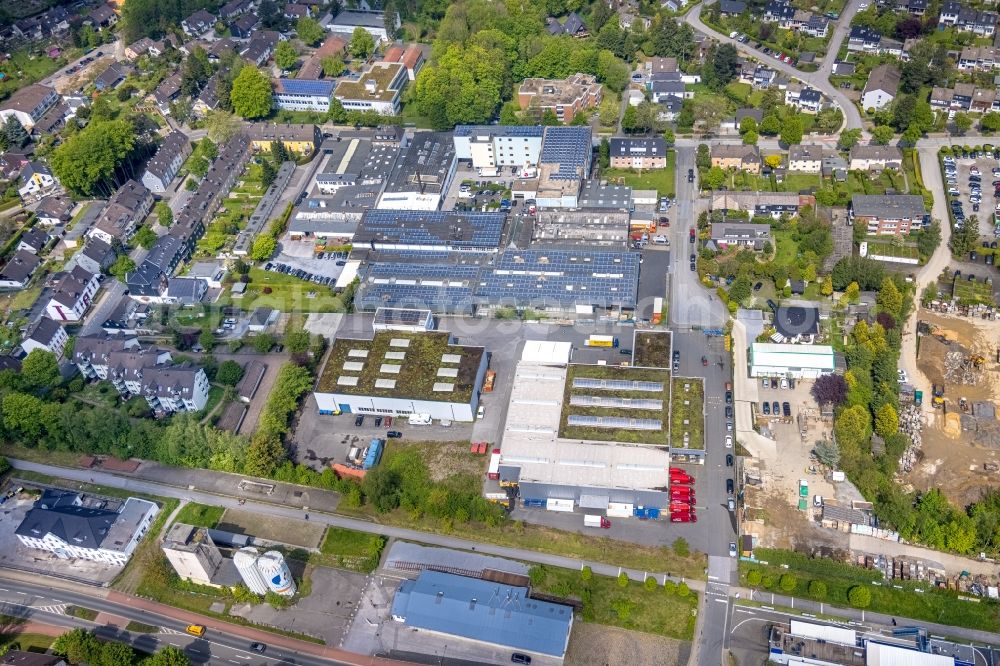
800	361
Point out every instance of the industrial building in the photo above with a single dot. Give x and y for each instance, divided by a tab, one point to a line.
805	643
398	374
420	178
791	360
405	231
402	319
72	525
483	611
303	94
585	227
196	558
491	146
554	466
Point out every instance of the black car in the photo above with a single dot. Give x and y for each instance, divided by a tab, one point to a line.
378	421
766	408
757	287
775	408
393	434
693	267
519	658
786	409
692	258
258	647
359	421
729	486
729	397
729	460
690	175
729	411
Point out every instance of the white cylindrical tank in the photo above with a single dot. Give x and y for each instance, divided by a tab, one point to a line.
245	560
276	574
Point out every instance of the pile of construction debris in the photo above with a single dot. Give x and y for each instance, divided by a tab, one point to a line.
982	425
963	368
911	422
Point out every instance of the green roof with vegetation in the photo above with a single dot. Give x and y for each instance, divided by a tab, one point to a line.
687	413
656	437
652	349
382	75
415	361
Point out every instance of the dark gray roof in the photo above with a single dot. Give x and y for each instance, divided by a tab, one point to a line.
70	287
21	266
793	321
43	330
895	206
175	144
164	253
76	525
425	165
35	238
19	658
643	147
56	206
186	289
131	196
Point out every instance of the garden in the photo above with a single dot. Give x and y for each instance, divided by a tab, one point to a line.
687	413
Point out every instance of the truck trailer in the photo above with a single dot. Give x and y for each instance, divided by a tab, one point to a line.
596	521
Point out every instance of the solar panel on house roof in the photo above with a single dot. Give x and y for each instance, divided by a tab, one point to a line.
306	87
500	130
613	422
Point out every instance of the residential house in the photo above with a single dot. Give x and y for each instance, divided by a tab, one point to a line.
888	214
167	93
128	317
104	16
36	179
138	48
312	68
638	153
578	93
983	100
242	28
844	68
796	324
778	11
958	98
967	19
299	139
94	354
17	272
33	240
804	98
72	295
261	47
669	109
129	205
816	26
110	78
728	234
208	98
658	65
210	272
763	76
96	256
881	88
875	158
54	209
377	89
261	319
915	7
732	7
666	85
411	57
52	121
29	106
737	157
185	290
303	94
161	170
863	39
805	158
295	11
979	58
45	334
11	163
198	23
235	8
834	166
20	658
762	204
73	526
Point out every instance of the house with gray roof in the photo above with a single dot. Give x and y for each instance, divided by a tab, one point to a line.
161	170
17	272
888	214
45	334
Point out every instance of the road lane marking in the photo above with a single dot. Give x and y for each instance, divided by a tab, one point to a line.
723	601
744	610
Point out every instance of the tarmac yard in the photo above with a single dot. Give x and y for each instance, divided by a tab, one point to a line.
958	454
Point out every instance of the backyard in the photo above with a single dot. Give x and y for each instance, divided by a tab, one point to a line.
232	217
348	549
24	68
286	293
661	180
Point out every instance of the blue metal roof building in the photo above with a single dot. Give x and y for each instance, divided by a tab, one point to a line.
483	611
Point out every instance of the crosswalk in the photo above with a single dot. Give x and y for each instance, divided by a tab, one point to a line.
57	609
173	632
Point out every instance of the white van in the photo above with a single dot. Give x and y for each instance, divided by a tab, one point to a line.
420	419
660	240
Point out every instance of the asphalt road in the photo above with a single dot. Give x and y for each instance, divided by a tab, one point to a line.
46	604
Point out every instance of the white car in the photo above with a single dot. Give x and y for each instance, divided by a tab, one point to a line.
481	412
732	549
784	383
729	441
766	384
903	378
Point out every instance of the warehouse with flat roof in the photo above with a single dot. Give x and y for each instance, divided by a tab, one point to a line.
399	373
787	360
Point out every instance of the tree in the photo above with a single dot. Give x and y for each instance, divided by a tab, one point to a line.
630	120
748	124
251	95
882	134
229	373
279	153
860	596
770	126
309	31
115	654
724	65
829	390
221	125
167	656
773	161
263	247
285	56
889	299
827	288
713	178
965	238
703	158
990	122
791	131
827	452
362	43
13	135
754	577
206	339
787	582
267	173
297	340
929	239
262	342
680	547
95	160
381	487
390	20
963	122
817	589
463	86
623	579
122	266
144	237
164	215
79	646
848	139
264	454
332	66
40	369
750	138
739	290
886	421
604	153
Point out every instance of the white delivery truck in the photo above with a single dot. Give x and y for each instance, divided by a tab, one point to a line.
596	521
420	419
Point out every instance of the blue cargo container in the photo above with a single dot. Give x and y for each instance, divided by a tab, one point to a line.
646	513
529	501
374	454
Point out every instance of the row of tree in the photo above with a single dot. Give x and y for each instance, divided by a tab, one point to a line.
80	646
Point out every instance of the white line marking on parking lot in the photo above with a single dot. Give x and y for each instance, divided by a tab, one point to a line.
723	601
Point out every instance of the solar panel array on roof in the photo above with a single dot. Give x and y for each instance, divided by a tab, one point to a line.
614	422
499	130
305	87
569	147
431	228
621	403
616	384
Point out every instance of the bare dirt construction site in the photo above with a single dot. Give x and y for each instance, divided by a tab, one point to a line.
596	645
960	451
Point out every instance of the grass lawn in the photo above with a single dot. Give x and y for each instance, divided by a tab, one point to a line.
687	413
288	294
661	180
931	605
605	432
411	117
82	613
349	549
888	249
25	298
786	249
796	182
214	398
31	68
654	611
200	515
968	292
25	642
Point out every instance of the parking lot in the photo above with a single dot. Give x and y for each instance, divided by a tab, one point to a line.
469	197
298	259
971	191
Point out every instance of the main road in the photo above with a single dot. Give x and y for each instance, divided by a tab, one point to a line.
818	79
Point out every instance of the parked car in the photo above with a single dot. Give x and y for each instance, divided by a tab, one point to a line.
775	408
258	647
732	549
729	460
359	421
766	408
393	434
729	397
378	421
786	409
